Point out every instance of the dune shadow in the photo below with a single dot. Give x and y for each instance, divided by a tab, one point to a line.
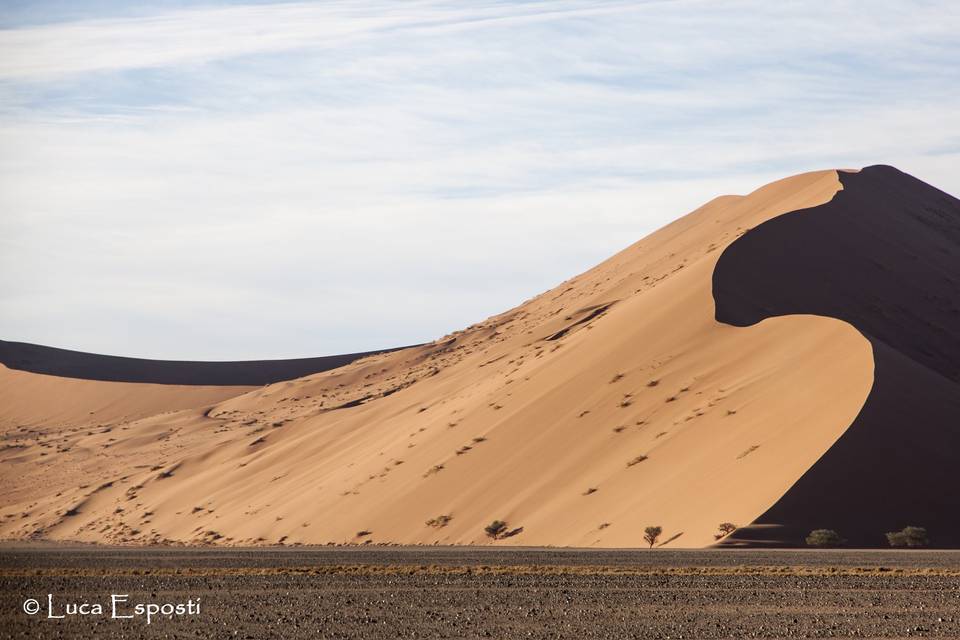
90	366
884	256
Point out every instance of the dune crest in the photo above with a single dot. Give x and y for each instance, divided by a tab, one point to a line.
882	255
609	403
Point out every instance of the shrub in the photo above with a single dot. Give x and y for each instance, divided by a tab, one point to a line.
724	529
651	535
439	522
908	537
824	538
495	529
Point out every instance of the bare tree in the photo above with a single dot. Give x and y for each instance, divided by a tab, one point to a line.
651	535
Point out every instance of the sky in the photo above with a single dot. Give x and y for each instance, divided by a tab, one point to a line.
234	180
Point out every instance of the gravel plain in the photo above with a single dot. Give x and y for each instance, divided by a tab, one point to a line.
444	592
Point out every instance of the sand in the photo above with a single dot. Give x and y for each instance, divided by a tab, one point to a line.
884	256
612	402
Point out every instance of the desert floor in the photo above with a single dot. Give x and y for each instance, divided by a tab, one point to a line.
447	592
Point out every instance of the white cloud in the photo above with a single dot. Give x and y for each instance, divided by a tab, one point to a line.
298	179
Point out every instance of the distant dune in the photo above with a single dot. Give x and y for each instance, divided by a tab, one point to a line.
90	366
785	360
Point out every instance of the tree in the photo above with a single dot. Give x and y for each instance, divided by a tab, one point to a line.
908	537
495	529
651	535
824	538
725	529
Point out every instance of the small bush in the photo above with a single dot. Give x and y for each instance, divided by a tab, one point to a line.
495	529
439	522
824	538
651	535
908	537
724	529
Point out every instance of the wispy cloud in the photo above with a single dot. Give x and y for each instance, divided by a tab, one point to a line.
290	179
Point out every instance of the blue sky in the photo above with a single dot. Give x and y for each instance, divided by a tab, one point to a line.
241	180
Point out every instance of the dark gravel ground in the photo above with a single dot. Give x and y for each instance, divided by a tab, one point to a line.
261	593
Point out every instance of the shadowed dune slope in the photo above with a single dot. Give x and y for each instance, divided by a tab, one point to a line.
884	256
609	403
90	366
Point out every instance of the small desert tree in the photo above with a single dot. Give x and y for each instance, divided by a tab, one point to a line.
824	538
724	529
495	529
908	537
651	535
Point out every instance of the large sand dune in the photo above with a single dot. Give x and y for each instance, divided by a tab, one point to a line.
620	399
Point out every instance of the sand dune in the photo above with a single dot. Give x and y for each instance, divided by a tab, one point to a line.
614	401
88	366
884	256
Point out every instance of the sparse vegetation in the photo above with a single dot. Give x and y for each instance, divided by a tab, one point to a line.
364	533
617	377
724	529
824	538
440	521
651	535
495	529
908	537
653	383
589	491
636	460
